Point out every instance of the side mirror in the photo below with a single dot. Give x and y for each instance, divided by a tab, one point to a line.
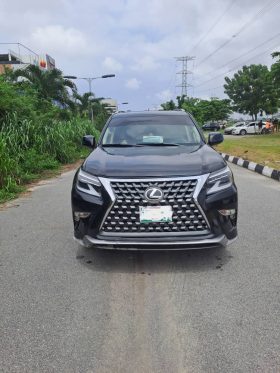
215	138
89	141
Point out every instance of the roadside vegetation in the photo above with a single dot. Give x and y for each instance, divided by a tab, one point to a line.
42	121
263	149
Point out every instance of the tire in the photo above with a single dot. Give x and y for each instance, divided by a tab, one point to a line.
243	132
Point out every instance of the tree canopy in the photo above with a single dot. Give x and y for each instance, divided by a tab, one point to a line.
50	84
275	73
252	91
46	94
202	110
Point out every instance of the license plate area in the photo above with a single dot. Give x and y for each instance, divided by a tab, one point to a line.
155	214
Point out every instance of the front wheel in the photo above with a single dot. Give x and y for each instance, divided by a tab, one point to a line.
243	132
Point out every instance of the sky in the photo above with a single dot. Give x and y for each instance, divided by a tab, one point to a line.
139	40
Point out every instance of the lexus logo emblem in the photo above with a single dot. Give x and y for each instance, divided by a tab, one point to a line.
153	194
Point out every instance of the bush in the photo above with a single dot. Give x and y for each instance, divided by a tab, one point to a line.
28	147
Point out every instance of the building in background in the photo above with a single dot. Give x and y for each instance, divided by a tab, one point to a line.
17	56
110	104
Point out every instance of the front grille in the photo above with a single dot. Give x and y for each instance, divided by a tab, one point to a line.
124	214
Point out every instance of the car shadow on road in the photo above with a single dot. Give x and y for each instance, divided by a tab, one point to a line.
154	261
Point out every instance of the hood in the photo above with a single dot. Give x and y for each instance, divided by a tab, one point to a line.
153	161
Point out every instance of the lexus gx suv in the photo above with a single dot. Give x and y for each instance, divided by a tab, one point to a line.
152	182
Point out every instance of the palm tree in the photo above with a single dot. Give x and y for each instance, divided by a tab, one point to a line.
88	104
84	102
50	84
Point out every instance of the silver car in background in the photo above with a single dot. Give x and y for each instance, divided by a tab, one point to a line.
228	130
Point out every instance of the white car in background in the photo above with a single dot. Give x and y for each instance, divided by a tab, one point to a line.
228	130
251	128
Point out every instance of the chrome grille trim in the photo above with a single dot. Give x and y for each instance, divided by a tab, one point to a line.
106	182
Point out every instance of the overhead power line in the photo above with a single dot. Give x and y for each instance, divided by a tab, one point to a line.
213	25
265	8
237	58
234	68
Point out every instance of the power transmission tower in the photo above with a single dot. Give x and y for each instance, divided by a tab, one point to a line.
184	85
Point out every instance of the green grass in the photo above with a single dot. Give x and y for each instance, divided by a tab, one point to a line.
263	149
32	149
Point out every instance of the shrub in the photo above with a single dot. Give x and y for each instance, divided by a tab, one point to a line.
28	147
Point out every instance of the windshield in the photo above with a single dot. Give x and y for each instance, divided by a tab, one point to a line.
151	130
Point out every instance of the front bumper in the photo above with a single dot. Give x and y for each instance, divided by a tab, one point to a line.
158	245
221	230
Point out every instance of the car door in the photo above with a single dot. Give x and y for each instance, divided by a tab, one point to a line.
252	128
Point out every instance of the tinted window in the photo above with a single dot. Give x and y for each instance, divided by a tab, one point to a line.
151	129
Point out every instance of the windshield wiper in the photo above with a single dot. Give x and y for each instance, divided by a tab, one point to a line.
157	144
119	145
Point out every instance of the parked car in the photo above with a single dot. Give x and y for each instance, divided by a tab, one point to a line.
228	130
211	127
247	128
152	182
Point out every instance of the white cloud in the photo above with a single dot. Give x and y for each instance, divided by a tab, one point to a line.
165	95
61	40
133	83
112	64
129	38
146	63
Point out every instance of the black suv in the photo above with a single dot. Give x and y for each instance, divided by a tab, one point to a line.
152	182
211	127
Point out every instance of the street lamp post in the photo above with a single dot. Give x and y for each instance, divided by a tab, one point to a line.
124	103
89	80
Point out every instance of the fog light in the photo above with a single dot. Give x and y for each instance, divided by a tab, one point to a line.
81	215
230	212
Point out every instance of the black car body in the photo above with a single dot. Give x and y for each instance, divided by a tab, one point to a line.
152	182
211	127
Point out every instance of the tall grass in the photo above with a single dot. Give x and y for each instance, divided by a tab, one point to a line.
28	147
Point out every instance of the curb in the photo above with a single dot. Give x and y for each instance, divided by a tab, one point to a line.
256	167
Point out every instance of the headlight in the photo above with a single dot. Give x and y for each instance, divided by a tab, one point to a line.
219	180
88	183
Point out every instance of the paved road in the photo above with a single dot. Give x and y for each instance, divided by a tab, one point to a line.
69	309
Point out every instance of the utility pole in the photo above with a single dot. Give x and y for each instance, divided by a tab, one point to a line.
184	72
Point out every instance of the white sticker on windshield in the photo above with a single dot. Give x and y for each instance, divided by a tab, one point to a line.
151	139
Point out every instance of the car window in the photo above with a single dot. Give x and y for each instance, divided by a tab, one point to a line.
160	129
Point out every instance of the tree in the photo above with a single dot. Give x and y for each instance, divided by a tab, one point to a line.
207	110
275	73
15	100
202	110
251	90
49	85
169	105
180	100
84	103
215	109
